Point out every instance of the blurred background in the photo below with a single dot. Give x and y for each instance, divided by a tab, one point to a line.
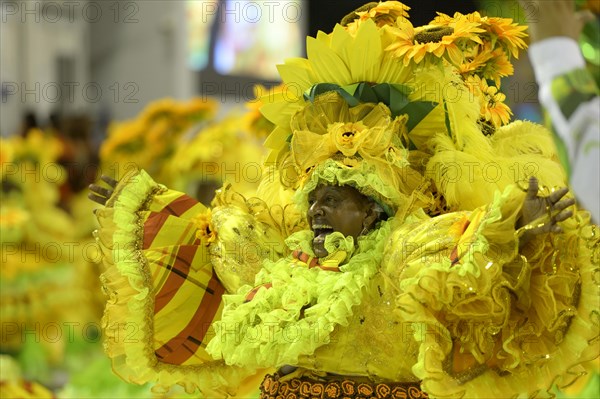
108	59
87	86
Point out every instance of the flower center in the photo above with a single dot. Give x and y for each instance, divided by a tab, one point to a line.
433	34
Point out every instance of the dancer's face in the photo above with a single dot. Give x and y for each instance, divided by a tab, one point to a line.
338	208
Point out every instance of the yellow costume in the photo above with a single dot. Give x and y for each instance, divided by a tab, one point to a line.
442	298
13	385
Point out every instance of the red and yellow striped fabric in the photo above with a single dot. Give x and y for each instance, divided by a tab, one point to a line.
164	294
187	293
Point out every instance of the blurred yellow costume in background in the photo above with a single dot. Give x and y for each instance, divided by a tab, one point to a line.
183	145
39	282
442	298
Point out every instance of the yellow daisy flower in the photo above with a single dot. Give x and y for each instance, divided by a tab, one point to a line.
487	63
492	106
498	67
495	110
475	61
509	34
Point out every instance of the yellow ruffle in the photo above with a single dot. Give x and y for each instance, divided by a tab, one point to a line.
524	323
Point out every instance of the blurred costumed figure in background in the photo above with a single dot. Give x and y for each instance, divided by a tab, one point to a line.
44	272
184	145
149	140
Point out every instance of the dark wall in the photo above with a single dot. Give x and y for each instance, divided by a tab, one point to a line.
324	14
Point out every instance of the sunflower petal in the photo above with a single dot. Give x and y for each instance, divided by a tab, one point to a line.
363	63
328	67
296	73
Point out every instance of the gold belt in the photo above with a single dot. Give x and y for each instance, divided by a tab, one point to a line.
306	388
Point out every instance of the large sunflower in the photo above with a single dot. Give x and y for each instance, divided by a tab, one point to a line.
339	58
501	32
149	139
447	40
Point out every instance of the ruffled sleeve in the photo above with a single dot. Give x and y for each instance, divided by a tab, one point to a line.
163	292
491	319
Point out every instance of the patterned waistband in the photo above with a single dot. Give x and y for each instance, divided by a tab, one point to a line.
306	388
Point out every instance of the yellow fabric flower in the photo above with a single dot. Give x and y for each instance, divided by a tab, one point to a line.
329	127
205	230
348	136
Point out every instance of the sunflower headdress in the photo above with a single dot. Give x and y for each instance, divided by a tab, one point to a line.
371	95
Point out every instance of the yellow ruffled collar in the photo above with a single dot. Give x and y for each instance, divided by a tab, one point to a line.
300	308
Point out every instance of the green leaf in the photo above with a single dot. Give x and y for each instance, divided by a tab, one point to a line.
417	111
395	96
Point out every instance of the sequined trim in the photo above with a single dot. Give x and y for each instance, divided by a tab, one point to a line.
305	388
